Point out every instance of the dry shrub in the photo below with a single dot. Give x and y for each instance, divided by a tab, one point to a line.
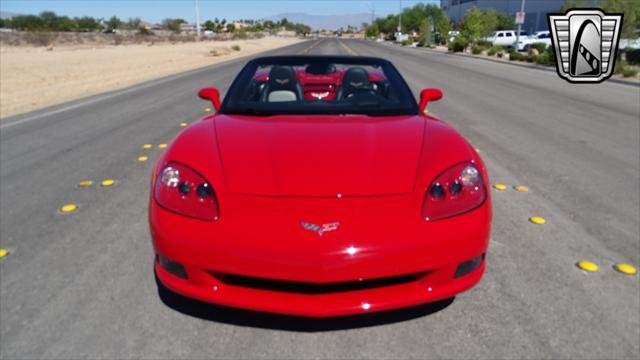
40	38
118	39
219	52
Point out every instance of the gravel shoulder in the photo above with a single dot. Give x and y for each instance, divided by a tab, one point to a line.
34	78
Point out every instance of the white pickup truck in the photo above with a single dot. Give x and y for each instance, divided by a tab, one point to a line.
508	37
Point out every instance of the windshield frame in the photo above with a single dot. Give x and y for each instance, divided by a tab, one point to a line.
408	102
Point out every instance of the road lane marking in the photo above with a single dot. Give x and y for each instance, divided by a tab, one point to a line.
69	208
500	187
183	124
587	266
521	188
143	158
85	183
107	183
538	220
626	269
3	253
147	146
316	43
347	48
162	146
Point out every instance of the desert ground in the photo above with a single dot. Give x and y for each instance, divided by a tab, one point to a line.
37	77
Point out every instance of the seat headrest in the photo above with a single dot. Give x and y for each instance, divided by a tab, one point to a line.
355	79
282	78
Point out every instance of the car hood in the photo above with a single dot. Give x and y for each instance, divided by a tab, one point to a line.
319	156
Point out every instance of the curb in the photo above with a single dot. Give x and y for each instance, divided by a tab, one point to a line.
524	65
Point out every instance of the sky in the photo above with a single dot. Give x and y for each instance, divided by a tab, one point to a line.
155	11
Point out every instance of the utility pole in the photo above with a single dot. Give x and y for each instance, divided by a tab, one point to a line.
519	26
198	17
400	19
373	13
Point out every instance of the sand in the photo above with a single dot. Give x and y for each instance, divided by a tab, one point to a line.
33	78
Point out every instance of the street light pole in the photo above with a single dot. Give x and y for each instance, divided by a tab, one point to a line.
519	27
400	19
198	17
373	13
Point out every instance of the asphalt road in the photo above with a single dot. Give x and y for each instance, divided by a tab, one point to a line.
80	285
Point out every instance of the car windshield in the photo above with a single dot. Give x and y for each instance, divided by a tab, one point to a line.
319	85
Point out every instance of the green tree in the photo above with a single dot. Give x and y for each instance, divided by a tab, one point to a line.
631	11
505	21
114	23
134	23
49	20
66	24
425	32
443	26
173	24
28	23
372	31
412	20
231	28
209	25
477	24
570	4
87	23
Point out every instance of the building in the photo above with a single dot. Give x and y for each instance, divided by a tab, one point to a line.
239	25
535	10
186	28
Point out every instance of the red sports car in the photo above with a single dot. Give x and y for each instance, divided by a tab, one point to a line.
319	188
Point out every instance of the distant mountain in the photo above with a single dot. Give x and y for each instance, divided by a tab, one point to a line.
7	15
327	22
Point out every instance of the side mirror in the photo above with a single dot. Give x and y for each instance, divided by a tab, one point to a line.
211	94
427	95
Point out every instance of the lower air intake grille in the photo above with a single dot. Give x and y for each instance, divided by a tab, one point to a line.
313	288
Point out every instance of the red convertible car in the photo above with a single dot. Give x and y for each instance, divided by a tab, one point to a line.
319	188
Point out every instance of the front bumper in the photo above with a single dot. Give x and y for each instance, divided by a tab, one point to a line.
283	268
431	286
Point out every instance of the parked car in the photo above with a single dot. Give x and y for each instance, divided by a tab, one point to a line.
508	37
539	37
453	34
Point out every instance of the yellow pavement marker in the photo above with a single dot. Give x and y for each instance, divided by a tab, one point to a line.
147	146
183	124
477	150
521	188
69	208
107	183
3	253
143	158
500	187
537	220
626	269
207	109
162	146
85	183
587	266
